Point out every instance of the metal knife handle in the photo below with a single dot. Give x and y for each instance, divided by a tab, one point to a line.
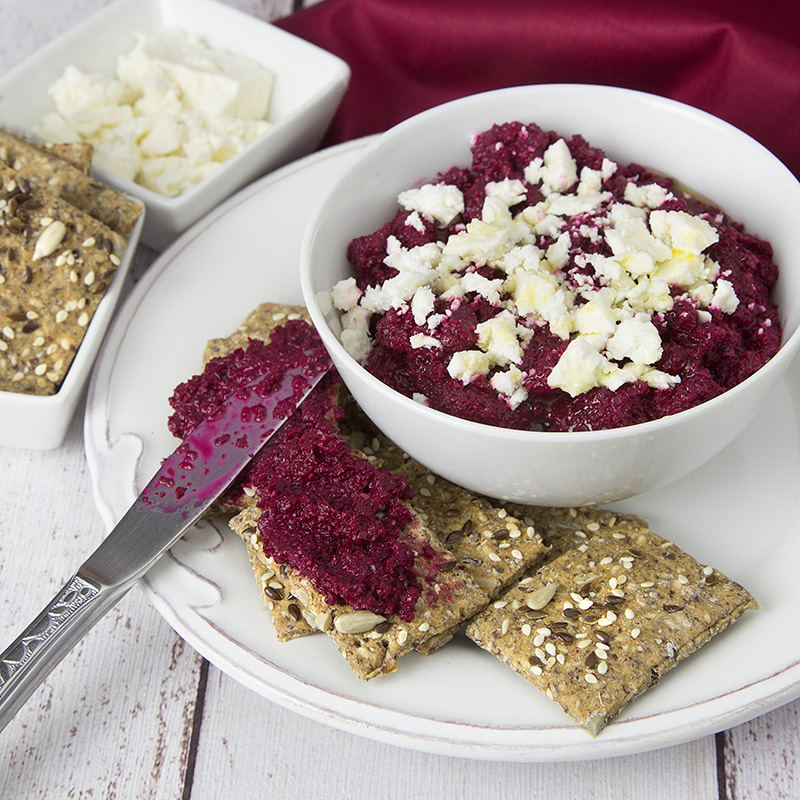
57	629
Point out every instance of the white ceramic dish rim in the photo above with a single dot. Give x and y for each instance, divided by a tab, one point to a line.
779	685
778	363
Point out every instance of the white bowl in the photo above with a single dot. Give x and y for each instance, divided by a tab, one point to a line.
40	422
309	85
714	158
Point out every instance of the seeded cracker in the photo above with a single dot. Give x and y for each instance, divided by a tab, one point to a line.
46	170
55	265
372	643
600	624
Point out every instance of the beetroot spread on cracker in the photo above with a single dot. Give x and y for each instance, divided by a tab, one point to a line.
326	512
548	287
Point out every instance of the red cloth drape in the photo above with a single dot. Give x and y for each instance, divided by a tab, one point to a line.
738	61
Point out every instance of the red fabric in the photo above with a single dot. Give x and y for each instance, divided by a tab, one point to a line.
409	55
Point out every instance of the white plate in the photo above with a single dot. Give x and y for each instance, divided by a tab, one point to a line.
740	513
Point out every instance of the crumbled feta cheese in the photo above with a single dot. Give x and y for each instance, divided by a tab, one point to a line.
422	304
579	368
467	364
635	339
345	294
724	297
174	112
440	201
418	340
560	171
498	337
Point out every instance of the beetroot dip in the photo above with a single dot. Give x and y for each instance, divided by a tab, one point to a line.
327	512
547	287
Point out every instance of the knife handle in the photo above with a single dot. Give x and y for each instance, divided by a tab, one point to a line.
57	629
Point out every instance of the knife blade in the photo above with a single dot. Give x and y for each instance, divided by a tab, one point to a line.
185	486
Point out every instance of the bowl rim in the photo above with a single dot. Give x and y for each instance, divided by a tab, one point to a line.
778	363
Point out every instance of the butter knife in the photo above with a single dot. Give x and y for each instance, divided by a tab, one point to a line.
185	486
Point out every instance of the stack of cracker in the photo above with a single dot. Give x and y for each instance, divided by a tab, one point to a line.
62	237
588	605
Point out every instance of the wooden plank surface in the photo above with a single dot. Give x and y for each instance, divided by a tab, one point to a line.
134	712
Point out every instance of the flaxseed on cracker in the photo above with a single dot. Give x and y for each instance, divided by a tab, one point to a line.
56	262
599	624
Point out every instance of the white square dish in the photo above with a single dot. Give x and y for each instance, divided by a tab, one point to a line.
308	87
40	422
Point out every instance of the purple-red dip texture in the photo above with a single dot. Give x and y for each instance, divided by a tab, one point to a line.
709	351
327	512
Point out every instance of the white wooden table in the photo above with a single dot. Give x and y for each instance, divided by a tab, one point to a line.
134	712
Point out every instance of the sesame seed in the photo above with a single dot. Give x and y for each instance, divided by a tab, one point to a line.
402	636
494	557
505	626
516	554
61	316
592	526
708	570
647	585
606	560
8	332
114	260
501	604
83	320
589	678
536	670
40	369
538	640
90	242
526	629
602	667
635	633
629	613
424	627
